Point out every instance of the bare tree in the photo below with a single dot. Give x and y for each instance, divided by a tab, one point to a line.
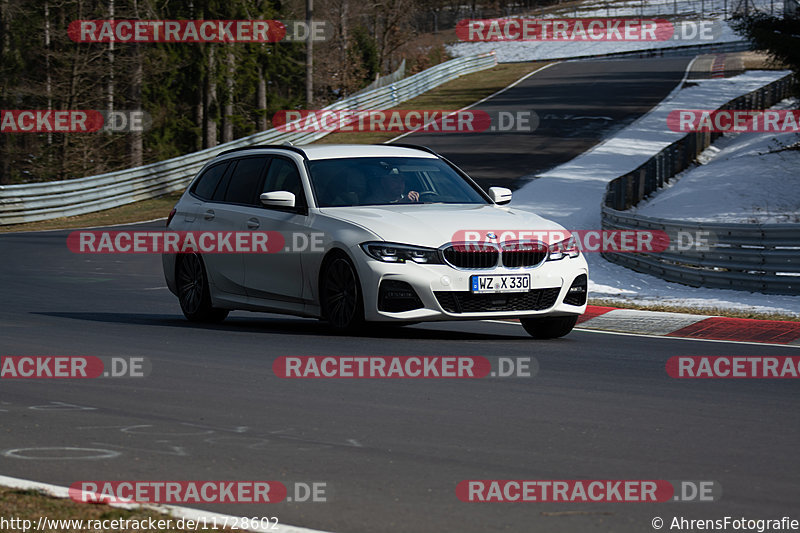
5	50
48	74
309	56
391	22
111	62
227	118
211	97
135	146
261	99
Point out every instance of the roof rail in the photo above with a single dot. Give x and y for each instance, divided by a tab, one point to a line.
296	149
414	146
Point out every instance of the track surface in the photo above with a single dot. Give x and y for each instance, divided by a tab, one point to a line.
390	451
579	103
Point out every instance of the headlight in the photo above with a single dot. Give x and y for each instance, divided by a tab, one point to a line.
566	248
389	252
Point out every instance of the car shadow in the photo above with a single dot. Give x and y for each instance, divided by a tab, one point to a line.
290	326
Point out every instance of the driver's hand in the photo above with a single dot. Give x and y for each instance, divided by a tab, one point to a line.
413	196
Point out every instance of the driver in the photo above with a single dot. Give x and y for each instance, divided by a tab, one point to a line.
393	189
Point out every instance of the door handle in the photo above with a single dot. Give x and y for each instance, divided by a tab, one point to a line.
209	215
253	223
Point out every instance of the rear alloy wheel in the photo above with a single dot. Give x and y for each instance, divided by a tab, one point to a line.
550	327
193	291
340	294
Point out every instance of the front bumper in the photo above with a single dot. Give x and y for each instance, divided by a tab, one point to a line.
443	292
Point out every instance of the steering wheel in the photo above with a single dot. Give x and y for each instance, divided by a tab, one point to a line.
427	196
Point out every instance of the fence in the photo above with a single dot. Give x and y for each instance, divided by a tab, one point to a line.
755	257
32	202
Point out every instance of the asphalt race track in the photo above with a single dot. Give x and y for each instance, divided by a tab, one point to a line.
579	103
391	452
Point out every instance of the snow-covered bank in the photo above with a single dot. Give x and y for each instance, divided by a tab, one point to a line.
754	179
516	51
571	195
685	10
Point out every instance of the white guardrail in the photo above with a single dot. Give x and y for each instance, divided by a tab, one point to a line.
31	202
753	257
383	81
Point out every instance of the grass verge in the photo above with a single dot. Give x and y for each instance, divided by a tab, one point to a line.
126	214
453	95
31	505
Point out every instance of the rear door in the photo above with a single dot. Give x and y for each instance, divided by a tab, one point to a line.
202	192
228	211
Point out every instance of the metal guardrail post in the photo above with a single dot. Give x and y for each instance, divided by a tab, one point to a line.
642	175
619	196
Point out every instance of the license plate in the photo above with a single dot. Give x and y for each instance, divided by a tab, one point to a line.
507	283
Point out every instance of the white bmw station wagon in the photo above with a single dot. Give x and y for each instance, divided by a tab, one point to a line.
385	233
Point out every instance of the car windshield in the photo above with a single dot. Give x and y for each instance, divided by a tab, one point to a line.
389	180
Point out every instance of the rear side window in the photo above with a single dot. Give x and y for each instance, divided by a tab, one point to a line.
244	180
208	182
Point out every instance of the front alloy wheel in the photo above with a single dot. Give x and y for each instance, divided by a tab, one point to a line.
340	293
193	291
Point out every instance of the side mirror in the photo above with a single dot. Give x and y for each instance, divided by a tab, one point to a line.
278	199
500	195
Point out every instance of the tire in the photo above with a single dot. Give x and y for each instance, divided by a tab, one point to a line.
193	291
550	327
340	294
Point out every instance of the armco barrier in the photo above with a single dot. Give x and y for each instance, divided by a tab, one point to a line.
383	81
31	202
755	257
670	51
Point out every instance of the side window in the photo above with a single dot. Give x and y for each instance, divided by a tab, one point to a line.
208	182
284	176
244	180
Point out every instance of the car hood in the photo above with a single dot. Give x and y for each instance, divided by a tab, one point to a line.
433	225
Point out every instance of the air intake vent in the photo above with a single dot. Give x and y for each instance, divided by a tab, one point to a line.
397	296
467	302
576	295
